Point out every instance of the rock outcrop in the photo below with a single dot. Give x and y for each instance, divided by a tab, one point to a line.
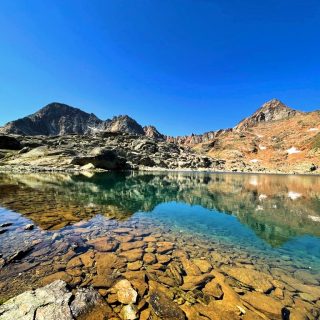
272	110
108	151
53	119
54	301
61	119
275	138
152	132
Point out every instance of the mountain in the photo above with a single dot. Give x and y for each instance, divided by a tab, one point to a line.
53	119
275	137
122	124
60	119
272	110
152	132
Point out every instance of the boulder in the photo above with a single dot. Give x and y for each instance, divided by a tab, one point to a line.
50	303
10	143
103	159
257	280
164	308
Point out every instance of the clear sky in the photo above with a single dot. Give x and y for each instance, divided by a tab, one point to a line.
182	65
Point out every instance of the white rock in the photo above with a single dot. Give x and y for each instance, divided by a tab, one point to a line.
314	218
293	150
294	195
262	197
129	312
126	294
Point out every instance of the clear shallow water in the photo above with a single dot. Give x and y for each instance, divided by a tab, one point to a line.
228	230
267	220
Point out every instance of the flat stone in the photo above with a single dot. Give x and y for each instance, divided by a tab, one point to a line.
266	304
150	239
87	259
133	266
122	230
192	282
74	263
132	255
56	276
163	258
126	294
164	307
213	289
189	267
104	244
149	258
105	262
257	280
132	245
203	265
105	281
164	246
306	277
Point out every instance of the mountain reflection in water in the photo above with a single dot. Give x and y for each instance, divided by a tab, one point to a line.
276	208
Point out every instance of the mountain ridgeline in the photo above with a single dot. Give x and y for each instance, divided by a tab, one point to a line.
57	119
60	119
275	138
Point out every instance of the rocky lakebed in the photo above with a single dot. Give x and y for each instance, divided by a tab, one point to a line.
111	246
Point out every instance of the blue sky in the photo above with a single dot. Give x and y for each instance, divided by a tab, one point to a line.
182	65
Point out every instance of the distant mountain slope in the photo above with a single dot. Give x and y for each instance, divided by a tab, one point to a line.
275	137
272	110
152	132
61	119
53	119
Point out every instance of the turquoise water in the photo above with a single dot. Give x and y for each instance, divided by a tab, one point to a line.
226	229
274	217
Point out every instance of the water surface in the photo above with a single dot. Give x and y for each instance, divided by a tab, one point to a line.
269	220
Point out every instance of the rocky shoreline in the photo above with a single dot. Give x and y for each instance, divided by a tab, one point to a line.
113	151
135	270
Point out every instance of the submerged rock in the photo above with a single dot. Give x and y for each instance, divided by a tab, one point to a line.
164	308
257	280
126	294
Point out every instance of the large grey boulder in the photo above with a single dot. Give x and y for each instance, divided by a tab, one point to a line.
51	302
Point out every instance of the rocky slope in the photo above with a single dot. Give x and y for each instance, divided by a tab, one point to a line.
107	150
61	119
276	138
53	119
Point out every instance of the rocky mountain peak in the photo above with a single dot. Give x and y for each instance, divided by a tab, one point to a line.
152	132
53	119
123	123
272	110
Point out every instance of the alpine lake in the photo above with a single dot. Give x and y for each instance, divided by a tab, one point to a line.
208	245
